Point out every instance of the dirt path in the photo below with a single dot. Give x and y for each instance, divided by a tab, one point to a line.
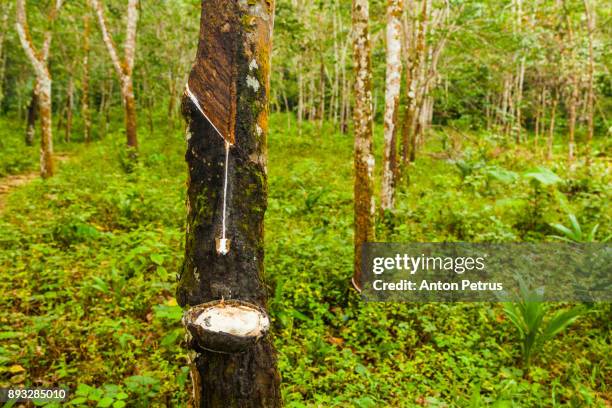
14	181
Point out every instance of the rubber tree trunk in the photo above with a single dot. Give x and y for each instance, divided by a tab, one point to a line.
363	122
249	379
130	111
44	111
38	60
69	107
588	7
124	67
392	93
551	128
85	80
31	119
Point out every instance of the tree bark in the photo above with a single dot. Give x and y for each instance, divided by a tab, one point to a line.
46	146
43	81
125	67
519	101
410	29
392	93
300	112
573	99
69	106
3	57
539	126
127	89
322	79
85	112
243	32
572	117
591	70
415	88
344	96
362	119
551	129
31	119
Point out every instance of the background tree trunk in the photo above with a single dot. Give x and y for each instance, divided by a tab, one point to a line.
38	60
31	119
392	93
125	67
249	379
362	119
85	110
46	145
69	106
591	73
551	128
573	98
6	9
130	112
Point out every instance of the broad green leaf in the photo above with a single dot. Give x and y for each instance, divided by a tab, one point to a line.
543	175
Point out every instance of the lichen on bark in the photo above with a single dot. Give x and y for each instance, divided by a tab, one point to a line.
248	379
392	93
362	117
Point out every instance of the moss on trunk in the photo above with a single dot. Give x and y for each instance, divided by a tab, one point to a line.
248	379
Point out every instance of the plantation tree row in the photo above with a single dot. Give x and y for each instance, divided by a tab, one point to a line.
71	65
526	70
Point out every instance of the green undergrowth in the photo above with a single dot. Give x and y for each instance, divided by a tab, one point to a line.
15	156
89	261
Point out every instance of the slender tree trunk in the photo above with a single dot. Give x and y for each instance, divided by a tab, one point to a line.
172	101
333	105
392	94
242	33
31	119
107	105
124	68
322	77
61	113
147	96
539	119
3	57
69	106
591	73
505	97
519	101
573	99
85	80
416	90
38	60
130	112
344	99
46	148
487	108
102	108
406	130
409	48
362	119
300	112
310	98
572	117
551	129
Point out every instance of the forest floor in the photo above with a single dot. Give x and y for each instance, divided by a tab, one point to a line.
89	260
13	181
9	183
